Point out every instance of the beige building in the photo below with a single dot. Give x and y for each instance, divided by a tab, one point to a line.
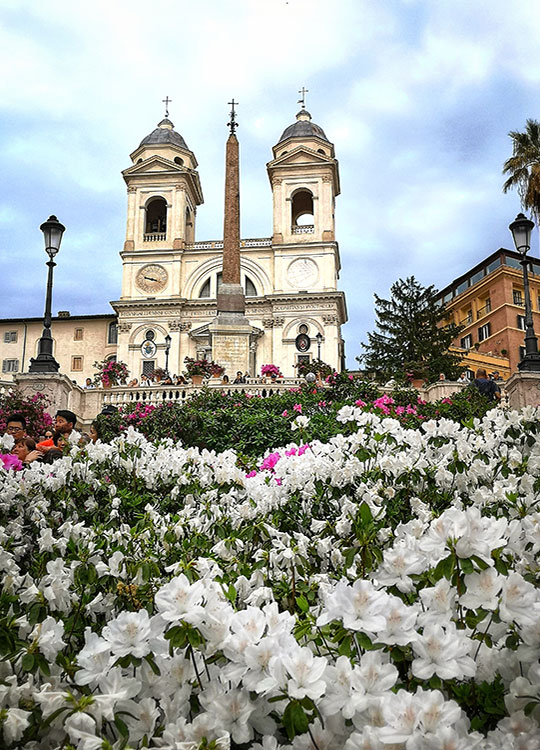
170	281
78	341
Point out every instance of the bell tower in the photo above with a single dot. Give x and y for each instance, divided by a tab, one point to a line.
164	190
304	176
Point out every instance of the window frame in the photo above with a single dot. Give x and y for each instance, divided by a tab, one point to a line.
78	358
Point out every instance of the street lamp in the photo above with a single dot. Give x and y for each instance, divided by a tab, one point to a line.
319	338
45	362
521	230
167	350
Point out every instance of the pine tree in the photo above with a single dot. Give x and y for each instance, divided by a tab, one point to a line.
411	339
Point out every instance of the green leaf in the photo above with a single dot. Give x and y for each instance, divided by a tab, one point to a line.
295	720
121	726
302	603
445	567
27	662
466	565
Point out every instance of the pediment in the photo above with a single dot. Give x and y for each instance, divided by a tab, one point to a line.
154	164
301	155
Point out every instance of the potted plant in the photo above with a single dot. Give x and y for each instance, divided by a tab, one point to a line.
271	371
110	372
196	369
216	370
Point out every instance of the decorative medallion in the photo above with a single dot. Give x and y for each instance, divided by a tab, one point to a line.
148	349
303	273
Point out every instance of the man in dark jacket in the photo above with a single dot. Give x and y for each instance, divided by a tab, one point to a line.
486	386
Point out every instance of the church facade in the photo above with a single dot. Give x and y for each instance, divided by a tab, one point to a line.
170	280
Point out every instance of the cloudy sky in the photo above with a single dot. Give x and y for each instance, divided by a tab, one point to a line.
418	97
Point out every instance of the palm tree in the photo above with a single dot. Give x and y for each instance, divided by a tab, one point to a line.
523	167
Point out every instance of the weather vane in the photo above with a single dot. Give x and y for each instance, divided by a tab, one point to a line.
233	124
303	91
166	102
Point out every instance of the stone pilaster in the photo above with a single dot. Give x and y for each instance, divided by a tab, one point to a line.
523	389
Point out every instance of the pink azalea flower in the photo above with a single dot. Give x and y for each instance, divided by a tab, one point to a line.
10	461
446	401
400	410
351	377
270	461
303	449
359	402
291	452
298	407
285	413
252	473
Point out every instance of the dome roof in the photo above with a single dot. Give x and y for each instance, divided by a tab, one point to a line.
303	128
164	133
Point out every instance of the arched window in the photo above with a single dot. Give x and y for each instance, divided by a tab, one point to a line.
156	216
205	290
178	160
250	289
302	208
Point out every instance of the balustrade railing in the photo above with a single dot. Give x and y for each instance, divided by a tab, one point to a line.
307	229
484	310
158	394
155	237
217	244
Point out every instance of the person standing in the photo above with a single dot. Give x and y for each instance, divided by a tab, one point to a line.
486	386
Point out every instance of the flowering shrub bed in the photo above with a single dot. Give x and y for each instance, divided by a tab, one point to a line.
376	591
219	420
33	408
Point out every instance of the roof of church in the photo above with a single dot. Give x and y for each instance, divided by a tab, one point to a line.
303	128
164	133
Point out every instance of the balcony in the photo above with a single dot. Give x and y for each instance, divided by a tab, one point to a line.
467	320
484	310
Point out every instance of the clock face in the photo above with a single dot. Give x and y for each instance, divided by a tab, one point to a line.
152	278
303	273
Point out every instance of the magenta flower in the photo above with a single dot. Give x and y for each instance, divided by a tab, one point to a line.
10	461
270	461
252	473
285	413
359	402
298	408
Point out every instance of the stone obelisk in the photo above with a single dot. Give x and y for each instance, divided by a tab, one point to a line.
230	330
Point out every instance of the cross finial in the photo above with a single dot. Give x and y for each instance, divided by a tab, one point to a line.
303	91
166	102
233	124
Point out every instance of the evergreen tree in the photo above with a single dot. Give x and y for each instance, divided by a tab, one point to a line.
411	338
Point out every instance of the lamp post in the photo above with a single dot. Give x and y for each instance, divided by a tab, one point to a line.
167	350
521	229
319	338
45	362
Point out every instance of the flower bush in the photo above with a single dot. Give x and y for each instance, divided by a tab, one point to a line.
271	371
378	590
110	372
33	408
197	367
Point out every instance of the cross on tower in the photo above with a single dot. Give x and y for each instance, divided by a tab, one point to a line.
166	102
303	91
232	124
